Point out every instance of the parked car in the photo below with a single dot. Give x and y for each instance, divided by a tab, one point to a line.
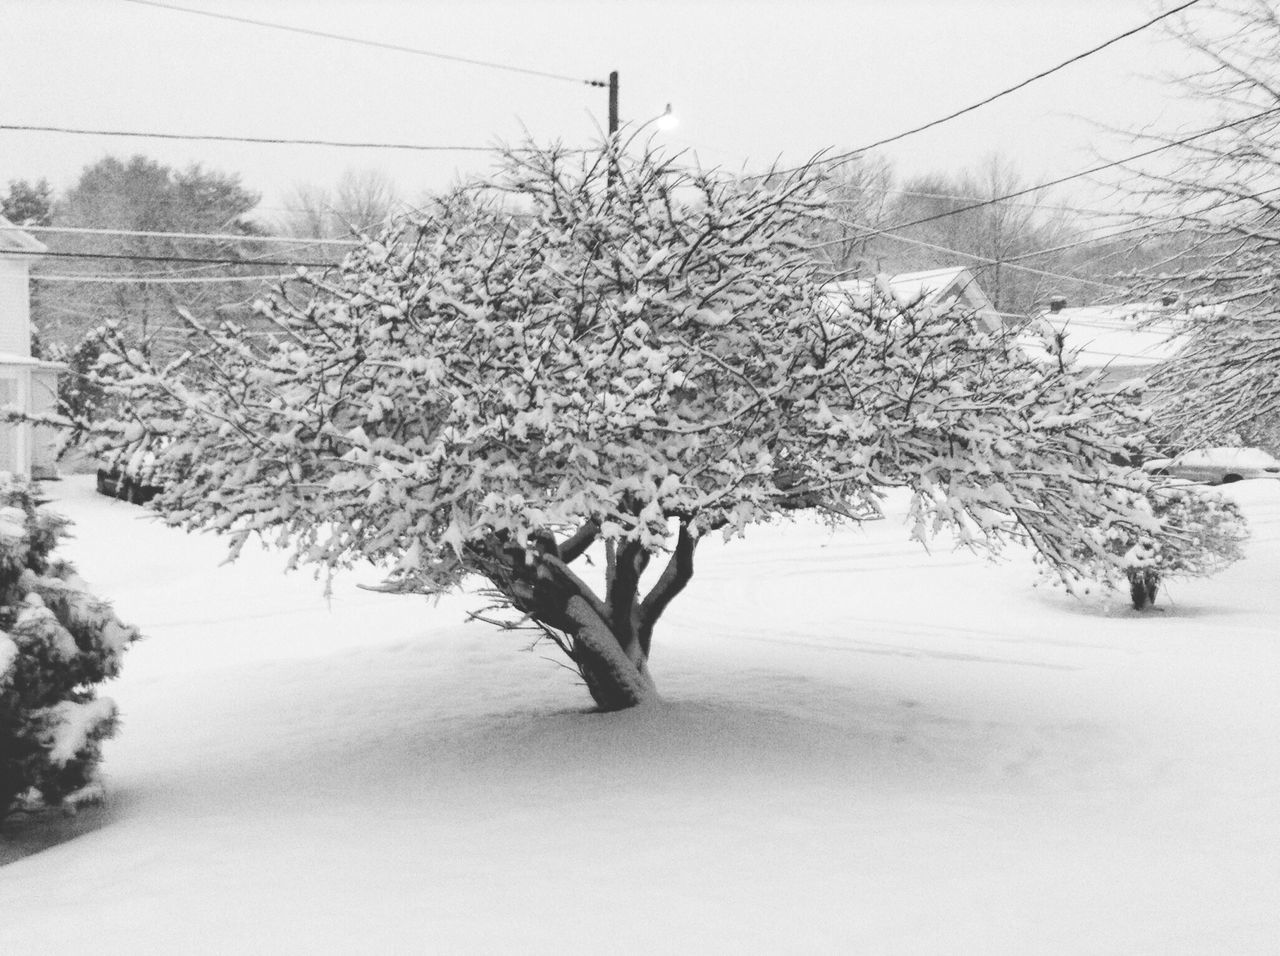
127	485
1216	466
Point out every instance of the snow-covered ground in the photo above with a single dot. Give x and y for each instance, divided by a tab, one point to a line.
866	749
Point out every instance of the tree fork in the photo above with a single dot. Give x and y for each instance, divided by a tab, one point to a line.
540	583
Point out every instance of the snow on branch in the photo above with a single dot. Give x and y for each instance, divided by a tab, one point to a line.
569	355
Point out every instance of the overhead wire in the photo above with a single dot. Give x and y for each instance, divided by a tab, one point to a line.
270	140
879	231
158	280
1033	206
843	157
884	231
157	258
1064	179
1092	240
148	234
376	44
984	260
831	160
169	279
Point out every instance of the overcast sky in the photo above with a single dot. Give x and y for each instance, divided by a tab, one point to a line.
750	81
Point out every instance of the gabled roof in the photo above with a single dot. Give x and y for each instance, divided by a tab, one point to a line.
13	239
934	287
1123	338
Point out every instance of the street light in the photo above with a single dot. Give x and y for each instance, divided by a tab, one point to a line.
667	120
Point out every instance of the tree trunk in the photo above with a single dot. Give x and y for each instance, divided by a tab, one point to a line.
614	680
1143	585
607	638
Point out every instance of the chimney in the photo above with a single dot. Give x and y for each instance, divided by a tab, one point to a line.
1057	303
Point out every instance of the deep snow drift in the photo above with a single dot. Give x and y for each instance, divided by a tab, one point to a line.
865	748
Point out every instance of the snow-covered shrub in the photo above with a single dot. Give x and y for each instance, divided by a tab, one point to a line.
612	351
1201	534
56	643
1204	533
80	398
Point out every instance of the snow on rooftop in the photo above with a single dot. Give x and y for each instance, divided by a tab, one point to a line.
910	285
13	239
1121	336
930	287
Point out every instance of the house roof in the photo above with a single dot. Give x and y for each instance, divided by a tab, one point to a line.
1130	338
13	358
13	239
932	287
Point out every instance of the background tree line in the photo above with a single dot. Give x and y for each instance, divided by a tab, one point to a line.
875	228
145	282
1021	251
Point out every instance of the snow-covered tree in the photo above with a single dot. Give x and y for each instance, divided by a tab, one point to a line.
56	643
1202	533
569	360
1211	201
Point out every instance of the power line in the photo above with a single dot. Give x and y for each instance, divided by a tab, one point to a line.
299	240
377	44
272	140
213	260
1031	79
842	157
991	262
1063	179
1035	206
143	234
834	160
119	279
1011	261
244	260
1144	224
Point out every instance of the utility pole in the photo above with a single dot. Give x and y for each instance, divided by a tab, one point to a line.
613	103
612	84
613	127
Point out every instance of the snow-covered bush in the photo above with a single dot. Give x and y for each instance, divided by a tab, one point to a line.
1202	533
56	643
611	351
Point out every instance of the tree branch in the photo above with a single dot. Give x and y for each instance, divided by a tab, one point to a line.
623	595
677	573
574	546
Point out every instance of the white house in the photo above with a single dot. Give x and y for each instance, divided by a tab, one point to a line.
1124	342
955	286
27	384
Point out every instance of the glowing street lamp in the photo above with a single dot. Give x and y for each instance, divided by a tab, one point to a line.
667	119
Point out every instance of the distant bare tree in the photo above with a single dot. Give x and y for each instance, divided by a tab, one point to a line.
860	197
997	231
362	202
